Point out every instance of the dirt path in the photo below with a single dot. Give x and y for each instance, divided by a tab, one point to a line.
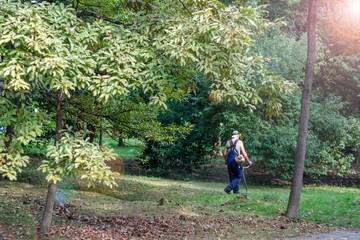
338	235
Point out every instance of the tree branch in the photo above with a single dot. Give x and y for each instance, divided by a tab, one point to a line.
185	7
77	5
90	5
90	14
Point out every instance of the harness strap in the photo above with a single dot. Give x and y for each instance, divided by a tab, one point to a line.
233	145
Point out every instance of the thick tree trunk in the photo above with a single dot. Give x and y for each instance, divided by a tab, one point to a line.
50	198
217	147
49	206
10	135
92	129
294	199
121	142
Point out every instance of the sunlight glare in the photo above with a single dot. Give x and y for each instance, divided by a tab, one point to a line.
354	8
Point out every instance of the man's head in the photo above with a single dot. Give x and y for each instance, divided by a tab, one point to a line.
235	134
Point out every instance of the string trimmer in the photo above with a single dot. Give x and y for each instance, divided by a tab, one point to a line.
243	174
241	160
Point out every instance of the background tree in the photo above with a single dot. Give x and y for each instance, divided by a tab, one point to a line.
45	48
294	199
272	140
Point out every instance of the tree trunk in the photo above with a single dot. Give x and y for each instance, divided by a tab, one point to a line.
121	142
50	198
49	206
217	147
101	138
357	156
9	134
92	129
294	199
59	115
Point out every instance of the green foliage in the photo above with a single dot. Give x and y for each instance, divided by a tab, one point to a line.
336	133
270	142
287	54
31	175
75	156
12	161
331	129
19	126
178	40
128	117
45	48
187	152
337	72
37	147
234	76
52	49
209	122
328	135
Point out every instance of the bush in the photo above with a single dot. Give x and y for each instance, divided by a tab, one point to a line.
31	175
329	134
188	152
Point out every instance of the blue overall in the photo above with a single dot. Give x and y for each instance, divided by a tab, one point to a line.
234	170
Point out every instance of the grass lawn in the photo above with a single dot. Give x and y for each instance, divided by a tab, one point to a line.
128	152
149	207
202	205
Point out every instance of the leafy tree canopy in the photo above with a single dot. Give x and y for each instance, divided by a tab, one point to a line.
46	47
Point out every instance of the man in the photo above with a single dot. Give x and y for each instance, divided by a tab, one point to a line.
234	148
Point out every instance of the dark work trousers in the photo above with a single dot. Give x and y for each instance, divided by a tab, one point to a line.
234	170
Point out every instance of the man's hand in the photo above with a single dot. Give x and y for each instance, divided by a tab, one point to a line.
250	162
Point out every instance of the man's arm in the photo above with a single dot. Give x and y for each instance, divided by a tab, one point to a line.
244	153
225	154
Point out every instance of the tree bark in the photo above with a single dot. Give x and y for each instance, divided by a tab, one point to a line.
49	206
98	16
217	147
92	129
121	142
50	198
10	134
294	199
60	108
101	138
